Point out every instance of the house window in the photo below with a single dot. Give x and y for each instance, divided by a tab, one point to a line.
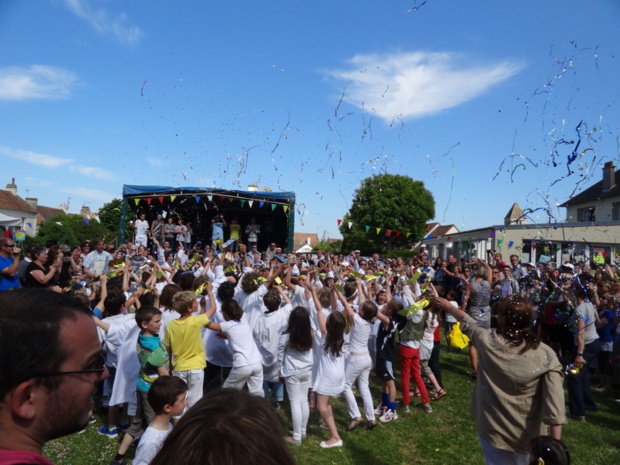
586	215
615	211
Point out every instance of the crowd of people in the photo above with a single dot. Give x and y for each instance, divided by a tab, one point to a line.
225	318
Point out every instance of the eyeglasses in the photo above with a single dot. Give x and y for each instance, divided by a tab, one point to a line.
98	367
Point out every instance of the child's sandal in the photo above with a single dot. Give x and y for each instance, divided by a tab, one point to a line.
354	424
372	424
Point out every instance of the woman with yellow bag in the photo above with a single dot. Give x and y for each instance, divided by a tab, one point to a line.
476	299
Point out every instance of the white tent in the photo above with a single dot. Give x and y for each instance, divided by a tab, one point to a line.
7	221
305	249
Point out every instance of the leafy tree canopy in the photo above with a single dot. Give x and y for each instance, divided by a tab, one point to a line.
387	201
71	230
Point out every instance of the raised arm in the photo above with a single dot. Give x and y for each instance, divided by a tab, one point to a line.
336	293
446	306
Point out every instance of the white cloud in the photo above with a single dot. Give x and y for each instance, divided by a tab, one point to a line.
35	158
118	26
417	84
36	82
154	161
90	193
92	171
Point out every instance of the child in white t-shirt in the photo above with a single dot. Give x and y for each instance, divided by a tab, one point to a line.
247	361
168	397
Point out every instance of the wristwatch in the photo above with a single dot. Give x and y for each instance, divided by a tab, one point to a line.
580	355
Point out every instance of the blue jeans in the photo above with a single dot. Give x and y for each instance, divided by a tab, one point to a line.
580	398
495	456
276	388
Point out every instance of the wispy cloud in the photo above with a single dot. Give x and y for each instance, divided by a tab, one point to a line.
35	158
92	171
118	26
155	162
90	193
417	84
36	82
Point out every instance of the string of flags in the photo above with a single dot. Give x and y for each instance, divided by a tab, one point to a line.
388	232
198	198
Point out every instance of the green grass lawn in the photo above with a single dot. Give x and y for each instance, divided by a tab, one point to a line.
446	436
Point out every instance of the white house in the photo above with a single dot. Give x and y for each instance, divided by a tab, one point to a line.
590	231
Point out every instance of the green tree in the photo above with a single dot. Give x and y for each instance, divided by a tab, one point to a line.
72	230
328	246
390	202
110	214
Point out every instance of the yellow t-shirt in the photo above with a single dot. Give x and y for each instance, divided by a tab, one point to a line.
185	342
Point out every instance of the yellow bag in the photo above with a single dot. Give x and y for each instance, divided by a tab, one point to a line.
457	338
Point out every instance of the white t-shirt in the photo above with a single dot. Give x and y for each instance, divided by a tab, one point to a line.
360	331
245	351
267	331
142	227
149	445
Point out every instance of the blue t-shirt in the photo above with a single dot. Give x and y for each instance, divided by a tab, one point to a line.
218	231
605	333
8	282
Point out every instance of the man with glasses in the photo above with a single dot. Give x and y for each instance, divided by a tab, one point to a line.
9	263
51	364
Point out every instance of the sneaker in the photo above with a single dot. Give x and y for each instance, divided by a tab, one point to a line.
105	431
380	410
426	407
118	462
92	420
406	409
388	415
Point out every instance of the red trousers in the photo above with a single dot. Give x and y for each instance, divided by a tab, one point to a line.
410	367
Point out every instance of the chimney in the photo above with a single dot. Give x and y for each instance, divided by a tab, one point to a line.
34	202
85	211
609	176
12	187
253	187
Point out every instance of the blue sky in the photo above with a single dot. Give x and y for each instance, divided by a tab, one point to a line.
311	97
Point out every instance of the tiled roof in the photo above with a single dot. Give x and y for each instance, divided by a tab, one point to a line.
300	239
442	230
11	201
594	193
47	212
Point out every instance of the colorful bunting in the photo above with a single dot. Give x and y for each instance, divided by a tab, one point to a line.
172	197
242	202
350	224
161	199
273	206
137	201
367	228
339	222
149	200
389	232
250	203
